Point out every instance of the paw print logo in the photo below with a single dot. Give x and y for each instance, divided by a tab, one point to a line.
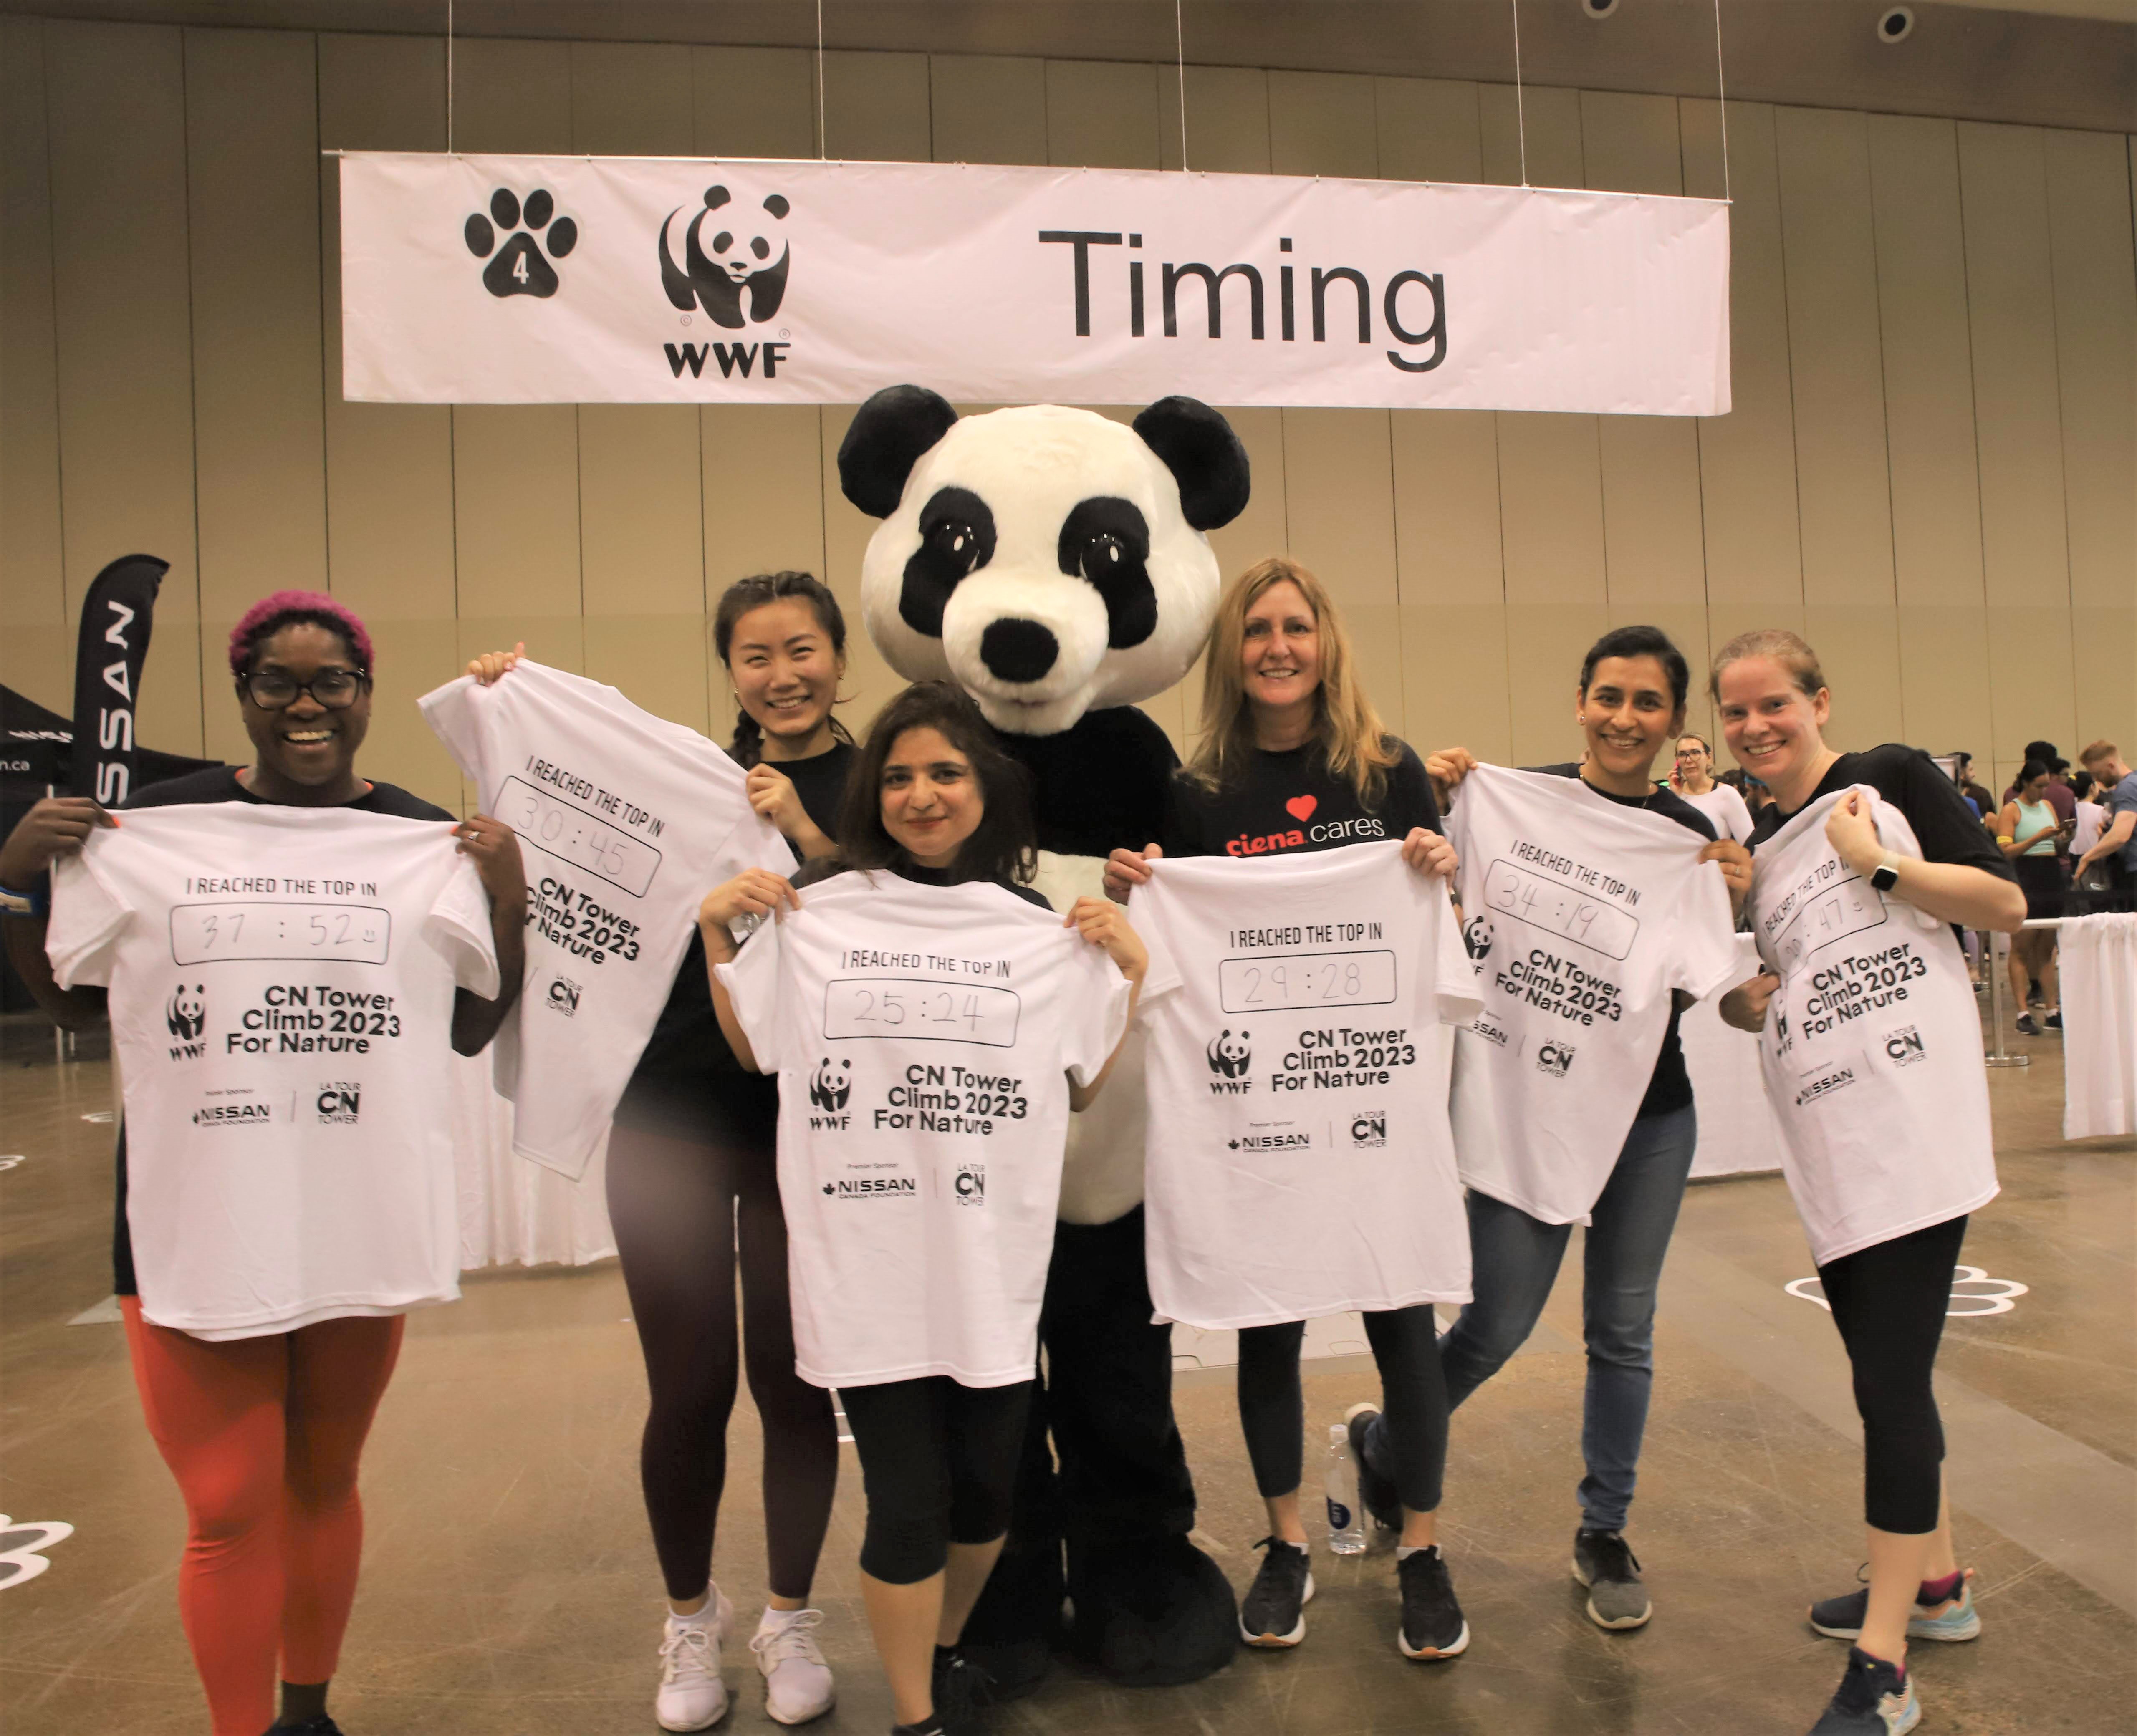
521	266
21	1546
1973	1292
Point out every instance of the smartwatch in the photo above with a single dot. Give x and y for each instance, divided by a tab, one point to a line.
1886	874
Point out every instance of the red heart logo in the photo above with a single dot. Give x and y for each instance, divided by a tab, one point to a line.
1301	807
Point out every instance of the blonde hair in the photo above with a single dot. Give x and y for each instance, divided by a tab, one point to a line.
1790	650
1349	730
2093	754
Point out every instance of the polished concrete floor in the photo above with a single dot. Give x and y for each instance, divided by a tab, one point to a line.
510	1585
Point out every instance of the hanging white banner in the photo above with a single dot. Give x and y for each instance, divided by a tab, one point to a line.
562	280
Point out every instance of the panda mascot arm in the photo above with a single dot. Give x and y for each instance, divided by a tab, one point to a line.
1052	563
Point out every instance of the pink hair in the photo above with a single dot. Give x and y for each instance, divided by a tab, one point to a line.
284	606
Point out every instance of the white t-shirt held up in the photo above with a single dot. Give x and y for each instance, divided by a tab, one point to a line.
1300	1161
626	821
1582	915
1871	1049
281	998
923	1037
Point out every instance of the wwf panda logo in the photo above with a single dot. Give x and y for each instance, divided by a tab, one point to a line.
1229	1054
185	1013
1476	937
734	264
829	1087
1047	560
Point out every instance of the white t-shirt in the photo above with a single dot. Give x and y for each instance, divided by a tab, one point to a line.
1871	1051
2091	822
1726	807
626	821
920	1035
1582	917
1300	1161
281	1006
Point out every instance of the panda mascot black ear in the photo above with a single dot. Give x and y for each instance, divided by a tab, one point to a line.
1205	456
886	439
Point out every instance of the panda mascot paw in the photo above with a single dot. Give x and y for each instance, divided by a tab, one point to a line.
1052	563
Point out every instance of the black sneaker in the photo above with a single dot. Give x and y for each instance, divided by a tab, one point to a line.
322	1725
1604	1563
1274	1612
1432	1625
1376	1493
1874	1699
962	1693
2026	1028
2053	1021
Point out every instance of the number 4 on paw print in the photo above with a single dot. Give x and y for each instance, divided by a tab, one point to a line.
521	266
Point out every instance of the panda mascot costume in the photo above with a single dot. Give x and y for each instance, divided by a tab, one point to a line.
1053	564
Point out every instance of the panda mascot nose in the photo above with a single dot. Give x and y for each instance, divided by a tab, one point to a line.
1018	650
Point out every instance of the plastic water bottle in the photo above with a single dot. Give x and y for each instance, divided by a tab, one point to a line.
1346	1513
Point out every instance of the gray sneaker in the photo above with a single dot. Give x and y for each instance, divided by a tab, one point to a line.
1605	1564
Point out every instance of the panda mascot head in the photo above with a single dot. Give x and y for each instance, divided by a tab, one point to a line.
1047	560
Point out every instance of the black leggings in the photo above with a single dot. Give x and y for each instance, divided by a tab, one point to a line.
681	1207
939	1463
1412	1398
1889	1302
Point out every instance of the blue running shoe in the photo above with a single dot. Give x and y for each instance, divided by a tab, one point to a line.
1874	1699
1840	1618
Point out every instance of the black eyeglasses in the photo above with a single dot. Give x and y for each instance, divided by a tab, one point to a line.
335	689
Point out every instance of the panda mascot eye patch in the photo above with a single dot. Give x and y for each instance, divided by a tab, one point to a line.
1107	542
956	538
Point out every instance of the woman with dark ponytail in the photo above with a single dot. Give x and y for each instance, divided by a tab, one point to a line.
693	1191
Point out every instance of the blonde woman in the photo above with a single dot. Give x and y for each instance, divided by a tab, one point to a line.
1293	758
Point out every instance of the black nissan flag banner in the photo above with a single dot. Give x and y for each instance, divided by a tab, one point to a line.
116	616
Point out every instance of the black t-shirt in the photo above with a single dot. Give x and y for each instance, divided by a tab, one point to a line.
1291	800
687	1081
220	783
1669	1086
1945	827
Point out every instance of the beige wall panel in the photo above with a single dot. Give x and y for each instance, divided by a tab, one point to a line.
1339	501
1858	645
1445	465
389	467
1375	631
2030	679
1834	360
252	183
414	658
870	681
1227	129
116	95
1630	143
1101	114
1747	458
631	99
755	102
1928	364
1653	533
1428	130
1264	528
656	661
512	96
875	108
2089	230
1550	499
987	108
1545	645
1454	685
1551	121
2018	412
1943	677
1322	124
34	657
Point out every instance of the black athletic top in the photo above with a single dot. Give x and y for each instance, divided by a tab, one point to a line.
1291	800
687	1081
220	783
1944	825
1669	1086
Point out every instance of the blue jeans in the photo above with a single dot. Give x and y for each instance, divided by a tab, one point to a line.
1514	1260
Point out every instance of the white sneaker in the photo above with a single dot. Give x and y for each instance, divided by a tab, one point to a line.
797	1681
691	1695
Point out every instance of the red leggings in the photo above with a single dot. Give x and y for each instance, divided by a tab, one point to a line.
263	1435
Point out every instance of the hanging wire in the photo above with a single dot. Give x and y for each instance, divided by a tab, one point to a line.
1721	95
820	128
1520	118
1179	48
448	77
